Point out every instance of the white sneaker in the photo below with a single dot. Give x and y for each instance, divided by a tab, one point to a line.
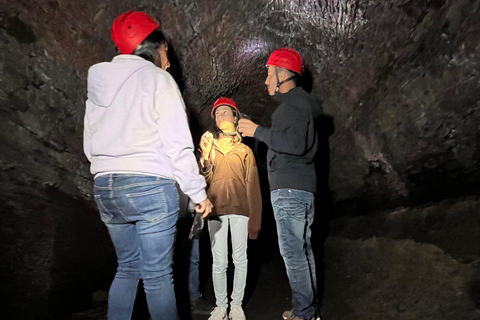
236	313
288	315
219	313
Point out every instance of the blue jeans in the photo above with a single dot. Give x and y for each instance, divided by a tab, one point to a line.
140	213
194	272
189	250
293	210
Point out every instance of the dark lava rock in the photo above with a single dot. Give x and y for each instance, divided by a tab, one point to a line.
399	78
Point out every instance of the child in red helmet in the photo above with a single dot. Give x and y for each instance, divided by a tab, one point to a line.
231	173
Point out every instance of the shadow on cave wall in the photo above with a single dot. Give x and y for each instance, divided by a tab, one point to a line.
83	259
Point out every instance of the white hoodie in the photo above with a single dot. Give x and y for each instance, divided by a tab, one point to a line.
135	122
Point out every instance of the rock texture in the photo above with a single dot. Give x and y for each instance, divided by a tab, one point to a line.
400	78
406	263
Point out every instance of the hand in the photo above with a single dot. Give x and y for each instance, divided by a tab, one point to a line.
247	127
205	208
206	143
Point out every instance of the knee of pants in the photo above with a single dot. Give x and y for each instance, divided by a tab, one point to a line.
241	265
296	263
159	271
130	268
240	260
219	265
157	281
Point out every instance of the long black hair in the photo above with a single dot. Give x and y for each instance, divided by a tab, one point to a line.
175	68
148	49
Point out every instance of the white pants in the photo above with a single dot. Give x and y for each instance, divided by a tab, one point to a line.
218	230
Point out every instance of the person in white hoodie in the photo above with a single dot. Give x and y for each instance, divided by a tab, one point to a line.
137	138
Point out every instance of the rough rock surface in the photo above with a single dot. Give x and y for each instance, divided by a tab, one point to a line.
419	263
394	266
400	78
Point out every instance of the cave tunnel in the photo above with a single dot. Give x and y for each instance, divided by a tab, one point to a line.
399	208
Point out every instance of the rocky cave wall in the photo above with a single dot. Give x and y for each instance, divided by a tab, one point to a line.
400	78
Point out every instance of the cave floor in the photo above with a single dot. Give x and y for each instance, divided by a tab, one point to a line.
266	299
407	263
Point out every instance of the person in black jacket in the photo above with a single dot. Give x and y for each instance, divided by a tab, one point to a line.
292	145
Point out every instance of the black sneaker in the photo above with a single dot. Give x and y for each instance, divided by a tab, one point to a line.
288	315
201	307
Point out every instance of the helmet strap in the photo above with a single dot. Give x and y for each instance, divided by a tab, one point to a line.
279	83
229	134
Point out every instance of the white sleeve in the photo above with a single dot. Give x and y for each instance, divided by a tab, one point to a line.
87	136
177	143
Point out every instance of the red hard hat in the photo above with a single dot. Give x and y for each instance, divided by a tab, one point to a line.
224	102
286	58
130	29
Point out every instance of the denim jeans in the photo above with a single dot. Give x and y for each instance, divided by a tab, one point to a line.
194	271
140	213
293	210
188	251
218	230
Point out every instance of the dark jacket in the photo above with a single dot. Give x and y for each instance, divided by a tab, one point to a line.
292	141
234	186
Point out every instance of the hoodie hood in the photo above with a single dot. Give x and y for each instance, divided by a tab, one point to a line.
107	78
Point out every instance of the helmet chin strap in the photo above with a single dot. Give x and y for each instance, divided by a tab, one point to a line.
279	83
229	134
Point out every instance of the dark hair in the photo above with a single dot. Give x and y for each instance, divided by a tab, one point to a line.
148	49
175	68
291	73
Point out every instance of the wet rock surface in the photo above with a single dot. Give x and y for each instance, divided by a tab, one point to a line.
400	79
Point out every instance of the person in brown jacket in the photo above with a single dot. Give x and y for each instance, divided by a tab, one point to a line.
231	173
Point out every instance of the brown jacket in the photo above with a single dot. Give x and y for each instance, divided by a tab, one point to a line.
234	187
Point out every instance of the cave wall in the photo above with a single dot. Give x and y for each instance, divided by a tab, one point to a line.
399	78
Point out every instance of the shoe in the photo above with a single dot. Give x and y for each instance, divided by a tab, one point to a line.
219	313
201	307
236	313
288	315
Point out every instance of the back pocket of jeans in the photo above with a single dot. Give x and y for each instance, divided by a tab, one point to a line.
104	214
152	204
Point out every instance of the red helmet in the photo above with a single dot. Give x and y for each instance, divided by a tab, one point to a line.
286	58
224	102
130	29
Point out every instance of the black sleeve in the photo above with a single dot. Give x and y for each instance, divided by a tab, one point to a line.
289	132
